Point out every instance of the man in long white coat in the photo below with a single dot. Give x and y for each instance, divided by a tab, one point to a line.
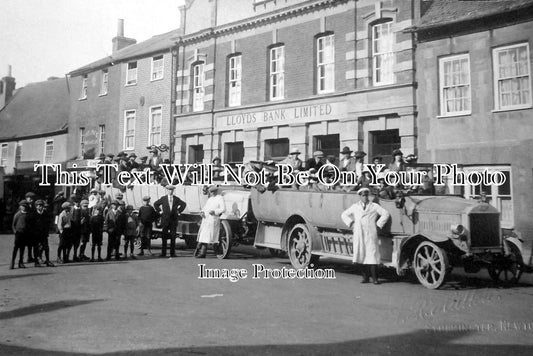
209	229
362	217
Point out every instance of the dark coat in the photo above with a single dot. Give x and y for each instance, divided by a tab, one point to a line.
311	163
41	223
169	215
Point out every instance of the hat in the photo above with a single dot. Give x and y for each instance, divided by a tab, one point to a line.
118	159
129	207
257	162
359	154
84	202
153	150
94	190
363	190
318	154
30	195
102	192
23	203
397	152
295	152
270	162
170	187
65	205
346	150
101	156
121	202
216	158
110	155
146	198
143	158
377	157
121	153
212	188
39	202
133	155
119	195
114	202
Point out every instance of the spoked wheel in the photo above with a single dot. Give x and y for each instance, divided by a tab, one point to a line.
509	269
431	265
300	247
223	248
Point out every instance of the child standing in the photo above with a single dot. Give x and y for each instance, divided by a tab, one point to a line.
85	229
130	231
64	226
147	216
21	227
97	225
111	228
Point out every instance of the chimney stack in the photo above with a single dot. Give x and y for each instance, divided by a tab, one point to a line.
120	41
7	87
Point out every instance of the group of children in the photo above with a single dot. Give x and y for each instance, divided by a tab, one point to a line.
78	224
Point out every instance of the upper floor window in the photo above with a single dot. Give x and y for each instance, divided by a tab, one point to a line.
83	94
512	77
3	155
325	63
48	151
105	79
277	73
131	73
81	152
234	89
382	55
157	67
155	126
454	85
101	138
198	89
129	129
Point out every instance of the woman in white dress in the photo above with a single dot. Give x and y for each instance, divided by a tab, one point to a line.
362	217
209	229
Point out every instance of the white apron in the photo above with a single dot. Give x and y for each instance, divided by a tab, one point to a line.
365	235
209	229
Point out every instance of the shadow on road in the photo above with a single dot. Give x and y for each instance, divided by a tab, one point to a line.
43	308
426	342
14	276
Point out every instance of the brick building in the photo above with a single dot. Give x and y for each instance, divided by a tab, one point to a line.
146	81
95	97
258	78
474	99
33	126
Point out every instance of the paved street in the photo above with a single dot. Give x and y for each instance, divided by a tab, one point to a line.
155	306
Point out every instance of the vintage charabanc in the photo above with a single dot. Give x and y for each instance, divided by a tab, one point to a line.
428	234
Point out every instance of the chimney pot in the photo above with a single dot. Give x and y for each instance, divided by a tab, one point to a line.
120	28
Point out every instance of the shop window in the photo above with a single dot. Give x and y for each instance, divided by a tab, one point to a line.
329	144
498	196
233	153
383	143
454	80
512	77
276	149
196	154
382	55
325	63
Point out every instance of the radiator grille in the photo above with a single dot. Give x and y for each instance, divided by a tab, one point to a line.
485	230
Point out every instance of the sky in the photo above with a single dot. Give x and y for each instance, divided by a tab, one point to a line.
45	38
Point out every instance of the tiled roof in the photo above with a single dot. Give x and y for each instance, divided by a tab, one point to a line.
36	109
446	12
152	45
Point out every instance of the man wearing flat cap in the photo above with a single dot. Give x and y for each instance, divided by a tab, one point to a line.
316	161
362	218
169	207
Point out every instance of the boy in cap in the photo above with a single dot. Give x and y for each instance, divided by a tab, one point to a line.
30	240
21	228
96	224
64	226
111	228
42	224
147	216
85	228
130	232
94	198
75	226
